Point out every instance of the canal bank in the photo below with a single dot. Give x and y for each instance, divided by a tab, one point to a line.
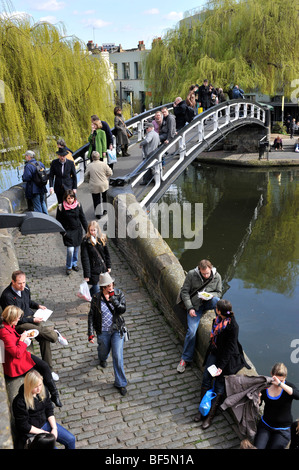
71	315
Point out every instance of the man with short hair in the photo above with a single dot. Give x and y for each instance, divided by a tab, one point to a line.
180	110
151	141
62	175
18	294
201	291
33	192
203	95
168	128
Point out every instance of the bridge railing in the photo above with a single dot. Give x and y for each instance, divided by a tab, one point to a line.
205	130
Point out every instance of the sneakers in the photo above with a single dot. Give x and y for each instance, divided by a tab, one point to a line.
61	339
68	272
182	366
55	376
75	268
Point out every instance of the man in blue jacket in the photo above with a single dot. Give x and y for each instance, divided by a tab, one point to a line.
238	93
33	192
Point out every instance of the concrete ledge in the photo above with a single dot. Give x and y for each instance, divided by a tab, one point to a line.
159	269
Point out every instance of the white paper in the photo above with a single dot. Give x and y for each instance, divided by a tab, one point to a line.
213	370
43	313
204	295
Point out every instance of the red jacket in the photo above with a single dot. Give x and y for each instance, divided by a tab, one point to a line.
17	359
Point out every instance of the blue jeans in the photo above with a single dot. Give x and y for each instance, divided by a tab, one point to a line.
207	379
64	437
267	438
71	256
39	203
112	341
95	288
193	323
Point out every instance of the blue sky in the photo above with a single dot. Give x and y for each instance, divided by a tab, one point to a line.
110	21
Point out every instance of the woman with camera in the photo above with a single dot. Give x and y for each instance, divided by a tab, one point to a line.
105	319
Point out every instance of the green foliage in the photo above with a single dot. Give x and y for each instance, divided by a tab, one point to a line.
253	43
51	85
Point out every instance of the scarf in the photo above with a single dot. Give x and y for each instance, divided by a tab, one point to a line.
218	326
68	206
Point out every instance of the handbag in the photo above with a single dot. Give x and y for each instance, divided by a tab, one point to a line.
129	133
101	259
111	156
83	292
205	404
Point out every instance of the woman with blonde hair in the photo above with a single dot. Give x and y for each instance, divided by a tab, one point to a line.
274	428
97	140
95	257
18	360
33	412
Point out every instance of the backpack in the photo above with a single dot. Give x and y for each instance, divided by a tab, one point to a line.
190	114
40	176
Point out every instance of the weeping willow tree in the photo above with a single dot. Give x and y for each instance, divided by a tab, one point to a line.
50	87
250	42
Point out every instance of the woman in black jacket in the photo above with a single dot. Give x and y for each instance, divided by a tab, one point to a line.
95	257
33	413
71	216
105	319
225	352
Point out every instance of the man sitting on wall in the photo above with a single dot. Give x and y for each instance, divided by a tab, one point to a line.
18	294
201	291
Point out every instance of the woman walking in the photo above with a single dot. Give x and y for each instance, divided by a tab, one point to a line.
95	256
97	174
71	216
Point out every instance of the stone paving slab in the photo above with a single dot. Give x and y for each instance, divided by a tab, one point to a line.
157	412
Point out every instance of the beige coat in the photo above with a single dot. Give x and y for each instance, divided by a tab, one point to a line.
97	173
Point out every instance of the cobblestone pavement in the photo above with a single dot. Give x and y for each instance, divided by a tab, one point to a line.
157	412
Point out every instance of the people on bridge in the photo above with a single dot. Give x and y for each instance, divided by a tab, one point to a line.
34	415
62	175
203	95
97	140
106	128
274	427
95	256
191	97
71	216
213	97
122	140
18	360
237	93
18	294
34	192
180	110
106	320
157	122
97	175
200	292
293	127
225	353
168	128
151	141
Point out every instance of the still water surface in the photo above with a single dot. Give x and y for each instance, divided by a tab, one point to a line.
251	235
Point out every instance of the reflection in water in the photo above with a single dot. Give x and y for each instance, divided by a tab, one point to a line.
251	234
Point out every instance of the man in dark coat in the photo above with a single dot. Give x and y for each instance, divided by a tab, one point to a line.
180	112
203	95
33	192
62	175
18	294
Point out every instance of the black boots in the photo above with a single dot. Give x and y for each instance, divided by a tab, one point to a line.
54	394
124	149
215	404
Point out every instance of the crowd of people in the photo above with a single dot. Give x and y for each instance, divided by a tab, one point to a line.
202	291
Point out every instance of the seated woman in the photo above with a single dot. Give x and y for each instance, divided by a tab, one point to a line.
274	428
225	352
33	413
18	360
278	143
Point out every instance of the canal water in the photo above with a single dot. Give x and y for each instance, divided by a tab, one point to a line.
251	235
